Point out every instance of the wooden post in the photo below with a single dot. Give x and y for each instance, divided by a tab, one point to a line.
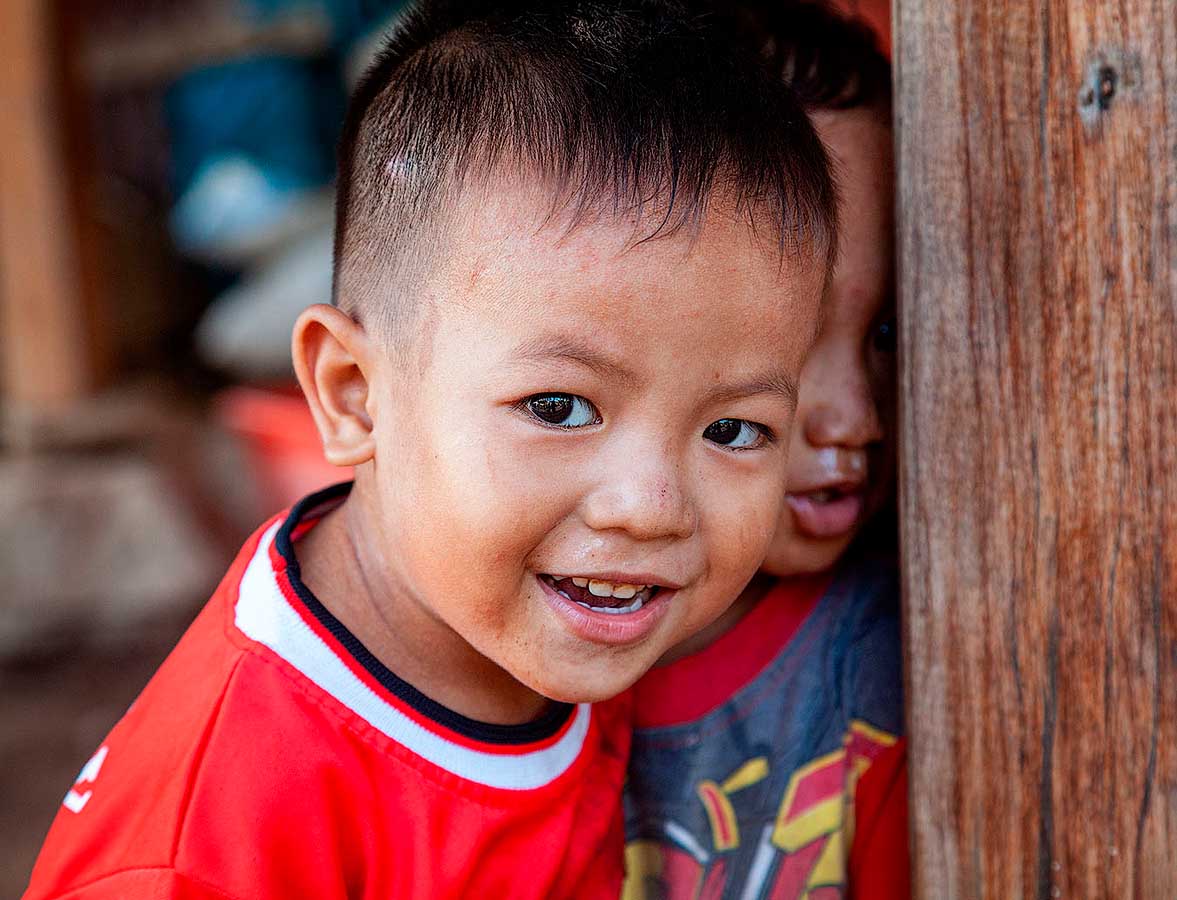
47	354
1038	253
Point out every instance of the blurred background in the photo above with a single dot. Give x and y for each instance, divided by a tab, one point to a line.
165	213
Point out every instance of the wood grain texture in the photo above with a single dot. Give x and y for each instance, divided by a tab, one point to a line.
1037	154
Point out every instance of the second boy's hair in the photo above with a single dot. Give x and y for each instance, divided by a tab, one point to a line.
625	108
831	61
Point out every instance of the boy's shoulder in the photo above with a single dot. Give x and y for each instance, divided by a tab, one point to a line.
262	760
125	812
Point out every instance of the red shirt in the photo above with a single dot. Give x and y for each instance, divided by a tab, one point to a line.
272	757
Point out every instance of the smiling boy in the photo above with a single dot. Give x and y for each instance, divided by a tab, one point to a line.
569	456
590	424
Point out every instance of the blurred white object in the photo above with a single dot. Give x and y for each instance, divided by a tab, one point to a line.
246	331
232	214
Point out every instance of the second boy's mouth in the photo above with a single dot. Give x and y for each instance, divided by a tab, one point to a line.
829	511
602	596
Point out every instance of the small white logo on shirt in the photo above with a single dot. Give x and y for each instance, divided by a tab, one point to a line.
75	801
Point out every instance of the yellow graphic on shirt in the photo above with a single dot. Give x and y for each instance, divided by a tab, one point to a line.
818	810
643	866
725	830
812	832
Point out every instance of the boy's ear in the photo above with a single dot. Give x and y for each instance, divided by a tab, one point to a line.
333	361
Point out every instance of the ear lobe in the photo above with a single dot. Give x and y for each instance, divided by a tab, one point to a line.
333	362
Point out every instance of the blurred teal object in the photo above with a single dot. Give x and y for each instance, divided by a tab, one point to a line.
250	139
253	140
351	19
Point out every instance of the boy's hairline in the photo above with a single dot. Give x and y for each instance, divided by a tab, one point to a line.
802	225
821	246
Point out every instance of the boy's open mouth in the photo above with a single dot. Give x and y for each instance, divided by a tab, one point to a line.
828	512
602	596
828	495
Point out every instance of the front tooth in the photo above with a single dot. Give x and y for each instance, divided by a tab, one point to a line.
625	591
580	582
600	588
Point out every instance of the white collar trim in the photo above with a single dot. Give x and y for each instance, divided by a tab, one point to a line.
264	615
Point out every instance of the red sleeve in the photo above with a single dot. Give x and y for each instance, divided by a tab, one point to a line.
144	884
879	867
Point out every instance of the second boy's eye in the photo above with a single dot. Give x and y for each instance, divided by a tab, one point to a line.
885	336
736	434
562	410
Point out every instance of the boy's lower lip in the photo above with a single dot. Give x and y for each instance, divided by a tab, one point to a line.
607	628
823	520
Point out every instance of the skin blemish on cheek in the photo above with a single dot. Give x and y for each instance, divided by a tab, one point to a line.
663	488
479	267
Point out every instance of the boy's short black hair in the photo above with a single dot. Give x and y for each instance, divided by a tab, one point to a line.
623	106
831	61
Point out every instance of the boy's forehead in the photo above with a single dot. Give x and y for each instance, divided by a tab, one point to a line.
860	142
715	307
507	245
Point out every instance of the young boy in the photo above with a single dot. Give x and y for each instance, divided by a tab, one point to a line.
767	760
569	457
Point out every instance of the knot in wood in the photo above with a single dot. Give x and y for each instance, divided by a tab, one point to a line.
1106	77
1099	88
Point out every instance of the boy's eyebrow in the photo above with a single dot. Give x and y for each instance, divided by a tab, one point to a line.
562	347
772	383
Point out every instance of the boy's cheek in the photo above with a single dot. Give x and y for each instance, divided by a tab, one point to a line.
739	537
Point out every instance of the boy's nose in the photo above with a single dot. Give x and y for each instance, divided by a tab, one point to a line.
647	500
850	419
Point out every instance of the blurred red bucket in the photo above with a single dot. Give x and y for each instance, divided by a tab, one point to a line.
280	439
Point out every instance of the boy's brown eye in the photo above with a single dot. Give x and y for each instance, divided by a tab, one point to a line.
553	408
562	410
885	336
722	432
736	433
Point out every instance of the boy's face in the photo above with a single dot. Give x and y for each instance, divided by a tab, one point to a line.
842	456
583	412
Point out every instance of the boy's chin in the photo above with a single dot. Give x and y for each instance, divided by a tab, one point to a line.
589	685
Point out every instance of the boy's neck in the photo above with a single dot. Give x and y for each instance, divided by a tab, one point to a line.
347	576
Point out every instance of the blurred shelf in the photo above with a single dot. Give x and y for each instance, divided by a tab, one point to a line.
170	45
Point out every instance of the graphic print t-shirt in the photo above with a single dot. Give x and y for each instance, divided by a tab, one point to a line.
770	766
